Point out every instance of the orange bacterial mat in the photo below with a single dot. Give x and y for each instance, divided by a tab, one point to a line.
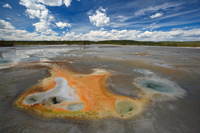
93	99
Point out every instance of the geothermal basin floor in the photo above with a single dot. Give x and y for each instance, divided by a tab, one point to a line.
99	88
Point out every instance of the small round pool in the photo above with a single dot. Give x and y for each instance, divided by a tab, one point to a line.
157	86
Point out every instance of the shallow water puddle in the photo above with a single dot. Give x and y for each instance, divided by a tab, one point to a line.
161	87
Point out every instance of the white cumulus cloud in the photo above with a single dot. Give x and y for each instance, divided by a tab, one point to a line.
173	35
50	31
67	2
7	6
51	2
33	13
35	9
156	15
9	32
5	25
63	25
41	26
38	9
32	4
100	18
41	14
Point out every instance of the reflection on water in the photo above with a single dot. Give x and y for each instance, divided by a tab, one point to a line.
22	54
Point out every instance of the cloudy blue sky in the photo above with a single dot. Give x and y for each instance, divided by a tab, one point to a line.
142	20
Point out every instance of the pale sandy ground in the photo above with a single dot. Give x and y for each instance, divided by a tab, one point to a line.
162	115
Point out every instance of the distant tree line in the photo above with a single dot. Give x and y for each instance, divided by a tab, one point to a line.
6	43
116	42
